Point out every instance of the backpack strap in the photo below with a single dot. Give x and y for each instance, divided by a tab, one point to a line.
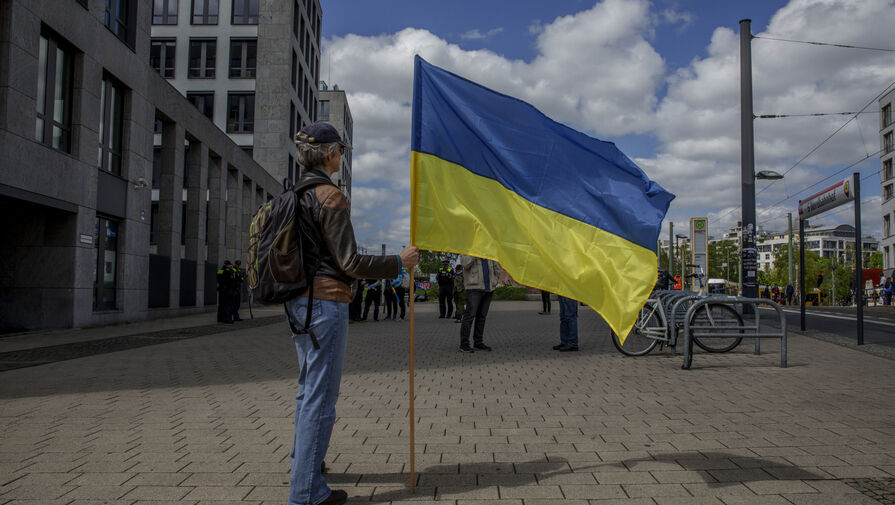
299	189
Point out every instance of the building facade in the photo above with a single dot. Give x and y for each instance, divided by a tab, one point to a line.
333	108
251	66
887	180
79	107
838	242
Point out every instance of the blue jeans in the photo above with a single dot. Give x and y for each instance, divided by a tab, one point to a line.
320	373
568	321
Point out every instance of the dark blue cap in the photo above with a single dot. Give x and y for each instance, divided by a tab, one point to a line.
319	132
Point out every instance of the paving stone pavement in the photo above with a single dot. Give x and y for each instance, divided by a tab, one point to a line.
208	420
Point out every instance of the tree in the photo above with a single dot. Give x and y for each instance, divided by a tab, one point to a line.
875	260
721	252
430	261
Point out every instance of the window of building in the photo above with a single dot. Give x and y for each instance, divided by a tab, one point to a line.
205	12
153	223
308	49
291	119
294	64
243	58
887	226
111	123
887	192
204	101
296	15
245	12
240	113
300	35
290	169
202	58
886	113
156	167
120	17
164	12
105	249
323	110
54	90
248	150
161	56
887	143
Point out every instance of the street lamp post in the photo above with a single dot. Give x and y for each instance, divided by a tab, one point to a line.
681	257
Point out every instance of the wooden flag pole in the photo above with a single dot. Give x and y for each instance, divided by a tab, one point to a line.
411	395
412	416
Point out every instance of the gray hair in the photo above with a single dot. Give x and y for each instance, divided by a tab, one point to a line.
314	155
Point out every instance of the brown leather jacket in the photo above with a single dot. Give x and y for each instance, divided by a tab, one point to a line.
325	219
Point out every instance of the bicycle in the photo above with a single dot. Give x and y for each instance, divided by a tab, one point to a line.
652	327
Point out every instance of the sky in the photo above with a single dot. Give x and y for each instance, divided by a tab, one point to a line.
660	79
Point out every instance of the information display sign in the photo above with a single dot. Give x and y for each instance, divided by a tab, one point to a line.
699	247
829	198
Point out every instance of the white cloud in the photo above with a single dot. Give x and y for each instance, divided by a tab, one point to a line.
613	95
698	121
598	71
477	35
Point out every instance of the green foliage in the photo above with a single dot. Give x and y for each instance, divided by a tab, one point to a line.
875	260
721	252
430	261
509	293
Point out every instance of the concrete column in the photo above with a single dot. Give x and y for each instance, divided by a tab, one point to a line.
217	185
196	191
234	213
171	204
248	211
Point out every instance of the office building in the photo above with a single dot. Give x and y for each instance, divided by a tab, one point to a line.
333	108
79	107
887	180
251	66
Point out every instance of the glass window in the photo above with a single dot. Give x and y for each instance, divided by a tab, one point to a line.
205	12
296	15
323	110
243	58
161	57
245	12
153	224
156	167
887	192
886	113
54	88
887	169
240	113
203	101
202	58
117	18
164	12
105	247
291	120
111	122
887	143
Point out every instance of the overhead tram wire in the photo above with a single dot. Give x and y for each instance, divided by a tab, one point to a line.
846	46
777	116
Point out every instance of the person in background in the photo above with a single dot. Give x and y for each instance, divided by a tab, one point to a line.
224	280
239	276
790	292
391	300
459	293
357	301
401	283
445	279
480	279
545	303
374	292
568	325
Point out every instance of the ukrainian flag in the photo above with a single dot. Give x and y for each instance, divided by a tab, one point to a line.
493	177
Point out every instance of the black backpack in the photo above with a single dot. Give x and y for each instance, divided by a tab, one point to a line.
276	270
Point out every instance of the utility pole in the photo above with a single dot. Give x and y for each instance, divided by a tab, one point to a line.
789	217
747	170
670	250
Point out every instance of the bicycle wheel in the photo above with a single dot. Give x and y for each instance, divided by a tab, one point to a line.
717	315
648	331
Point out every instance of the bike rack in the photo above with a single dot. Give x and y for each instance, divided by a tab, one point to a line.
731	331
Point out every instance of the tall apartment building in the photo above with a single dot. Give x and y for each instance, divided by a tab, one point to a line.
78	105
251	66
333	108
887	176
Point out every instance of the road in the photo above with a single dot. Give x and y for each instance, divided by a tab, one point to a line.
879	322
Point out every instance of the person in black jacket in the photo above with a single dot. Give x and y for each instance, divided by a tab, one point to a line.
445	279
225	281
